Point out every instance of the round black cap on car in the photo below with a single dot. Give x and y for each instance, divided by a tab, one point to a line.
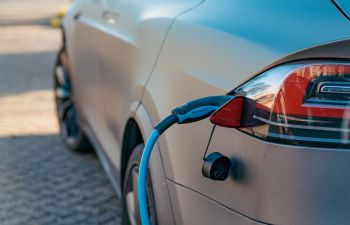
216	166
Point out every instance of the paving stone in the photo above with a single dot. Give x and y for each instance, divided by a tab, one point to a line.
41	182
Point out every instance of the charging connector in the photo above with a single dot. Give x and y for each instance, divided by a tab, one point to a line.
188	113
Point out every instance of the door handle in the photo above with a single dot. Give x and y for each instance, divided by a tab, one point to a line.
110	17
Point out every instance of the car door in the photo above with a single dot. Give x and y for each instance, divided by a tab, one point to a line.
132	38
84	25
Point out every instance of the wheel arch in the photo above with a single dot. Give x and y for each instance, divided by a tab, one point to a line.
140	123
132	137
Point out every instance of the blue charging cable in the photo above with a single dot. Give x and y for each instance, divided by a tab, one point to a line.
188	113
143	177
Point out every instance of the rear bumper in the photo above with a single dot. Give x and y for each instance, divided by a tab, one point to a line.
190	207
304	186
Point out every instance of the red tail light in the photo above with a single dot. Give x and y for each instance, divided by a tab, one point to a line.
300	103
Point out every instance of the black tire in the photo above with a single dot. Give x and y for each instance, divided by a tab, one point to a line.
70	131
130	206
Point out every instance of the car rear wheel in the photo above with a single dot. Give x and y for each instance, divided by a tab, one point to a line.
131	215
67	114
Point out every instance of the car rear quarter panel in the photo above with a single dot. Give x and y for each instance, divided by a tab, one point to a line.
210	51
285	184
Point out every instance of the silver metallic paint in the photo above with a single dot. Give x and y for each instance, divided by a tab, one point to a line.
146	55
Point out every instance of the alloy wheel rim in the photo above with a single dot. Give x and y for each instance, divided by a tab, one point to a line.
131	197
65	105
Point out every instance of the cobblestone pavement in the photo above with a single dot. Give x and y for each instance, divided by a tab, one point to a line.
41	182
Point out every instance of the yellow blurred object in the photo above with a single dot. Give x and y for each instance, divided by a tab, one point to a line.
56	21
62	11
